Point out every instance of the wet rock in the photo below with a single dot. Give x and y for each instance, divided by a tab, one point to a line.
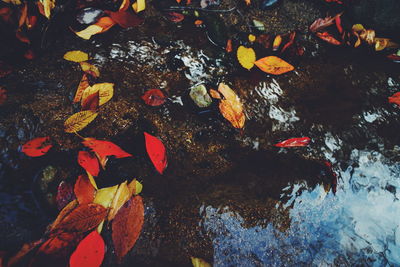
200	96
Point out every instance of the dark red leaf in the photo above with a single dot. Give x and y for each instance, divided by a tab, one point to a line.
334	176
36	147
89	162
292	142
91	102
105	148
175	17
338	23
29	54
154	97
90	251
65	194
125	19
156	151
290	42
327	37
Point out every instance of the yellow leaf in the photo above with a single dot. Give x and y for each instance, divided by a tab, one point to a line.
104	24
14	2
277	43
135	187
48	5
79	120
91	69
92	181
139	5
246	57
105	196
197	262
381	43
252	37
122	195
124	5
273	65
231	107
358	27
106	92
76	56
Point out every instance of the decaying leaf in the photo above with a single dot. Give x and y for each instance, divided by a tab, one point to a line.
246	57
293	142
156	151
89	162
90	69
84	190
231	107
65	194
79	120
127	225
139	5
154	97
122	195
197	262
83	218
105	90
273	65
36	147
90	251
104	24
83	84
76	56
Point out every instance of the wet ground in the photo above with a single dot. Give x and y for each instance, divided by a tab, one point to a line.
337	96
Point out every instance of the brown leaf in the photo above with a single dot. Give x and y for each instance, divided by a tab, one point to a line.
127	226
64	213
91	102
83	84
84	190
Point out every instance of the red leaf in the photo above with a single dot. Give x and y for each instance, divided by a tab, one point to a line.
395	98
105	148
65	194
154	97
338	23
91	102
36	147
292	142
29	54
175	17
156	151
90	251
127	225
290	42
84	190
125	19
3	96
327	37
89	162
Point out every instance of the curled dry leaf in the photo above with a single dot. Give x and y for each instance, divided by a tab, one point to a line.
83	84
65	194
102	25
84	190
292	142
156	151
127	225
273	65
231	107
89	162
76	56
215	94
246	57
36	147
79	120
327	37
90	69
89	252
154	97
105	90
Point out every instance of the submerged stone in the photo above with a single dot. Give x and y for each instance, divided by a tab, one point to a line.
200	96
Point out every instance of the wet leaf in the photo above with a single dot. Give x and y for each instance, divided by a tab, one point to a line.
76	56
246	57
126	19
105	148
102	25
277	43
154	97
135	187
215	94
105	196
327	37
79	120
290	42
90	251
90	69
36	147
200	96
395	99
91	102
83	84
89	162
156	151
293	142
64	213
48	5
122	195
197	262
231	107
84	190
65	194
83	218
139	5
127	225
273	65
322	23
105	90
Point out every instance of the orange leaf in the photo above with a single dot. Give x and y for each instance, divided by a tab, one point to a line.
90	251
89	162
273	65
83	84
83	218
127	226
84	190
231	107
36	147
327	37
156	151
228	47
395	98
